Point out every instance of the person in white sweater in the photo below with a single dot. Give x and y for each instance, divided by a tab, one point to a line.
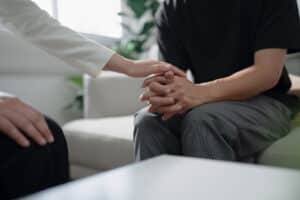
33	149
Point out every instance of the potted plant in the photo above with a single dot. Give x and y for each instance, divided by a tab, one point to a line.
138	25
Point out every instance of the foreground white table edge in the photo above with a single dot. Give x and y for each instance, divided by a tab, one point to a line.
180	178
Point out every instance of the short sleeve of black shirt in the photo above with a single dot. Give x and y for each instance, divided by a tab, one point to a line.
215	39
279	26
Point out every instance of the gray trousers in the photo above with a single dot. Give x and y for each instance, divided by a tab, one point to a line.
229	130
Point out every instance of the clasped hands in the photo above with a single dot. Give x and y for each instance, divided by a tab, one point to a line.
170	94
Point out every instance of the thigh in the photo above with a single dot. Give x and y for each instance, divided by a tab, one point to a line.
154	121
153	136
248	126
27	170
10	149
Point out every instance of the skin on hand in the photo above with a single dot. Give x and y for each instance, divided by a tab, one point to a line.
139	69
170	98
244	84
20	122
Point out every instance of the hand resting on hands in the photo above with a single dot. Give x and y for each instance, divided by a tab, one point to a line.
169	94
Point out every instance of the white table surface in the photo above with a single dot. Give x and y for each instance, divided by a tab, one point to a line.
177	178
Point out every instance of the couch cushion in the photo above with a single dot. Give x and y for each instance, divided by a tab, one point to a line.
100	143
285	152
295	89
107	143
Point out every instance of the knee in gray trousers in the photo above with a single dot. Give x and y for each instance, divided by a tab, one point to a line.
204	135
153	137
194	134
229	130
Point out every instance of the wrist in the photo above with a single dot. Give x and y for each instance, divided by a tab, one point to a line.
119	64
206	92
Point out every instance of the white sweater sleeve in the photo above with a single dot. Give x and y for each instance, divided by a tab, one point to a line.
4	94
27	20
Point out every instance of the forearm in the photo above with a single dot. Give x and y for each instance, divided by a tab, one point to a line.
239	86
119	64
27	20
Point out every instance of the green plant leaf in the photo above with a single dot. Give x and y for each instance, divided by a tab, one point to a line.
125	49
154	5
77	103
77	81
128	29
133	47
148	26
138	7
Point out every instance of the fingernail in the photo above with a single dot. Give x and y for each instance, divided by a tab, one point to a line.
51	139
26	143
141	98
43	142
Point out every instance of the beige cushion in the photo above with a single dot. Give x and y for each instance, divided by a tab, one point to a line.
295	89
285	152
100	144
106	143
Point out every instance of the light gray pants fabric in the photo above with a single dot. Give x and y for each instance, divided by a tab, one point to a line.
229	130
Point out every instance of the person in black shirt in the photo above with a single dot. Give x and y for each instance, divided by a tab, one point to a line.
238	103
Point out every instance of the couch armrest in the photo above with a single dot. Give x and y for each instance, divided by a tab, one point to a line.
285	152
111	95
295	89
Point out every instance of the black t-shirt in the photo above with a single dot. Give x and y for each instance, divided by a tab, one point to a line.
215	39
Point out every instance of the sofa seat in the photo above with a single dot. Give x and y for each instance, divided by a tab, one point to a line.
285	152
102	144
106	141
99	144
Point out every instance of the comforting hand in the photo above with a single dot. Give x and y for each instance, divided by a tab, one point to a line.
147	68
140	69
20	121
170	97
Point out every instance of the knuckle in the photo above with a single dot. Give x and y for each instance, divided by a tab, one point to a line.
152	85
28	128
6	112
12	101
151	100
18	137
146	82
178	85
180	93
11	130
171	100
183	100
168	100
37	117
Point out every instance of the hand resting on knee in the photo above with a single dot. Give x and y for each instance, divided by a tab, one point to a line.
21	122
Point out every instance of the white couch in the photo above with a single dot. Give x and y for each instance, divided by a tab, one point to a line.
103	140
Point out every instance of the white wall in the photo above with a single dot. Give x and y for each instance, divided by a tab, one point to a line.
35	77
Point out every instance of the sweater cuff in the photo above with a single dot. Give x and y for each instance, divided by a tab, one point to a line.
4	94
